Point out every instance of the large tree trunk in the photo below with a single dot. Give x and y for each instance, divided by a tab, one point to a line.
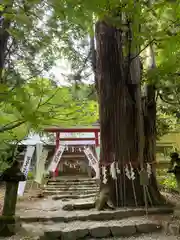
118	101
4	36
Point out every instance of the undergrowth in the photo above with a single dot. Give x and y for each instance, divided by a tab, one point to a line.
166	180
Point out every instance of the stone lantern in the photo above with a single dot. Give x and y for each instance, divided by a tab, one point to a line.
11	176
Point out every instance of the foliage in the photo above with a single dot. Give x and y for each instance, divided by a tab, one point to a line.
66	27
166	122
29	47
41	32
30	176
39	104
166	181
160	27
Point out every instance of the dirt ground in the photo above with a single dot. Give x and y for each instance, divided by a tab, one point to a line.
31	194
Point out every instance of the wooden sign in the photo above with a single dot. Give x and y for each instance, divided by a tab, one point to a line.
144	180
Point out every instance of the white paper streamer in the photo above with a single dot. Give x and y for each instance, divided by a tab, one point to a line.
127	172
104	175
149	170
132	174
113	170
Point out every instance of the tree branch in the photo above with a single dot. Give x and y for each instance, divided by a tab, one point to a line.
11	126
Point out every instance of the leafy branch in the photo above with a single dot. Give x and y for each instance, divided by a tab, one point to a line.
11	126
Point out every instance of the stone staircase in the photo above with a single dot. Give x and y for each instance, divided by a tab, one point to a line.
71	188
78	219
97	225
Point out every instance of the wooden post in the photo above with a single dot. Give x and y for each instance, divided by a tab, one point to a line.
57	139
96	139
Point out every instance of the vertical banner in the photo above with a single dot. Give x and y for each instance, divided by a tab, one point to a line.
41	156
55	161
39	149
25	168
98	152
94	163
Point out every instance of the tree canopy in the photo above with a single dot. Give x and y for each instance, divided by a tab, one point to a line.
35	34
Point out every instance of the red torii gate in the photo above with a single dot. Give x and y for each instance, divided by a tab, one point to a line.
59	130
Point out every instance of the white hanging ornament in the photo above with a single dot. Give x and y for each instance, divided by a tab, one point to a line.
66	148
79	149
113	170
132	173
104	175
117	168
127	172
72	149
149	170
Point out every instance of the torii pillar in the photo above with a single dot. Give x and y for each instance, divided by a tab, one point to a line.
56	173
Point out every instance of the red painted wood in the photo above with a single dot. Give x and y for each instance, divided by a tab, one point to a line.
77	139
72	130
58	130
57	139
56	173
96	139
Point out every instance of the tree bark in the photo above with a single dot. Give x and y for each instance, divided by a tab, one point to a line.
118	121
4	36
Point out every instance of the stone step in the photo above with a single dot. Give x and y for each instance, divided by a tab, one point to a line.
68	192
73	180
83	229
79	206
58	197
151	236
72	183
49	188
91	215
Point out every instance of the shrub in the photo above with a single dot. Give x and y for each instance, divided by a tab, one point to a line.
30	176
166	180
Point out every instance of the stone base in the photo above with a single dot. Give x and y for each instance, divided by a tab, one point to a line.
9	226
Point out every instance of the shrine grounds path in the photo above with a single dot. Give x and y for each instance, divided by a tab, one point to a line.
32	207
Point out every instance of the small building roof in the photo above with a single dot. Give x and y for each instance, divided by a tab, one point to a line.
73	129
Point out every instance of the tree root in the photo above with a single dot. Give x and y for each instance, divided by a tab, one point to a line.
103	201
